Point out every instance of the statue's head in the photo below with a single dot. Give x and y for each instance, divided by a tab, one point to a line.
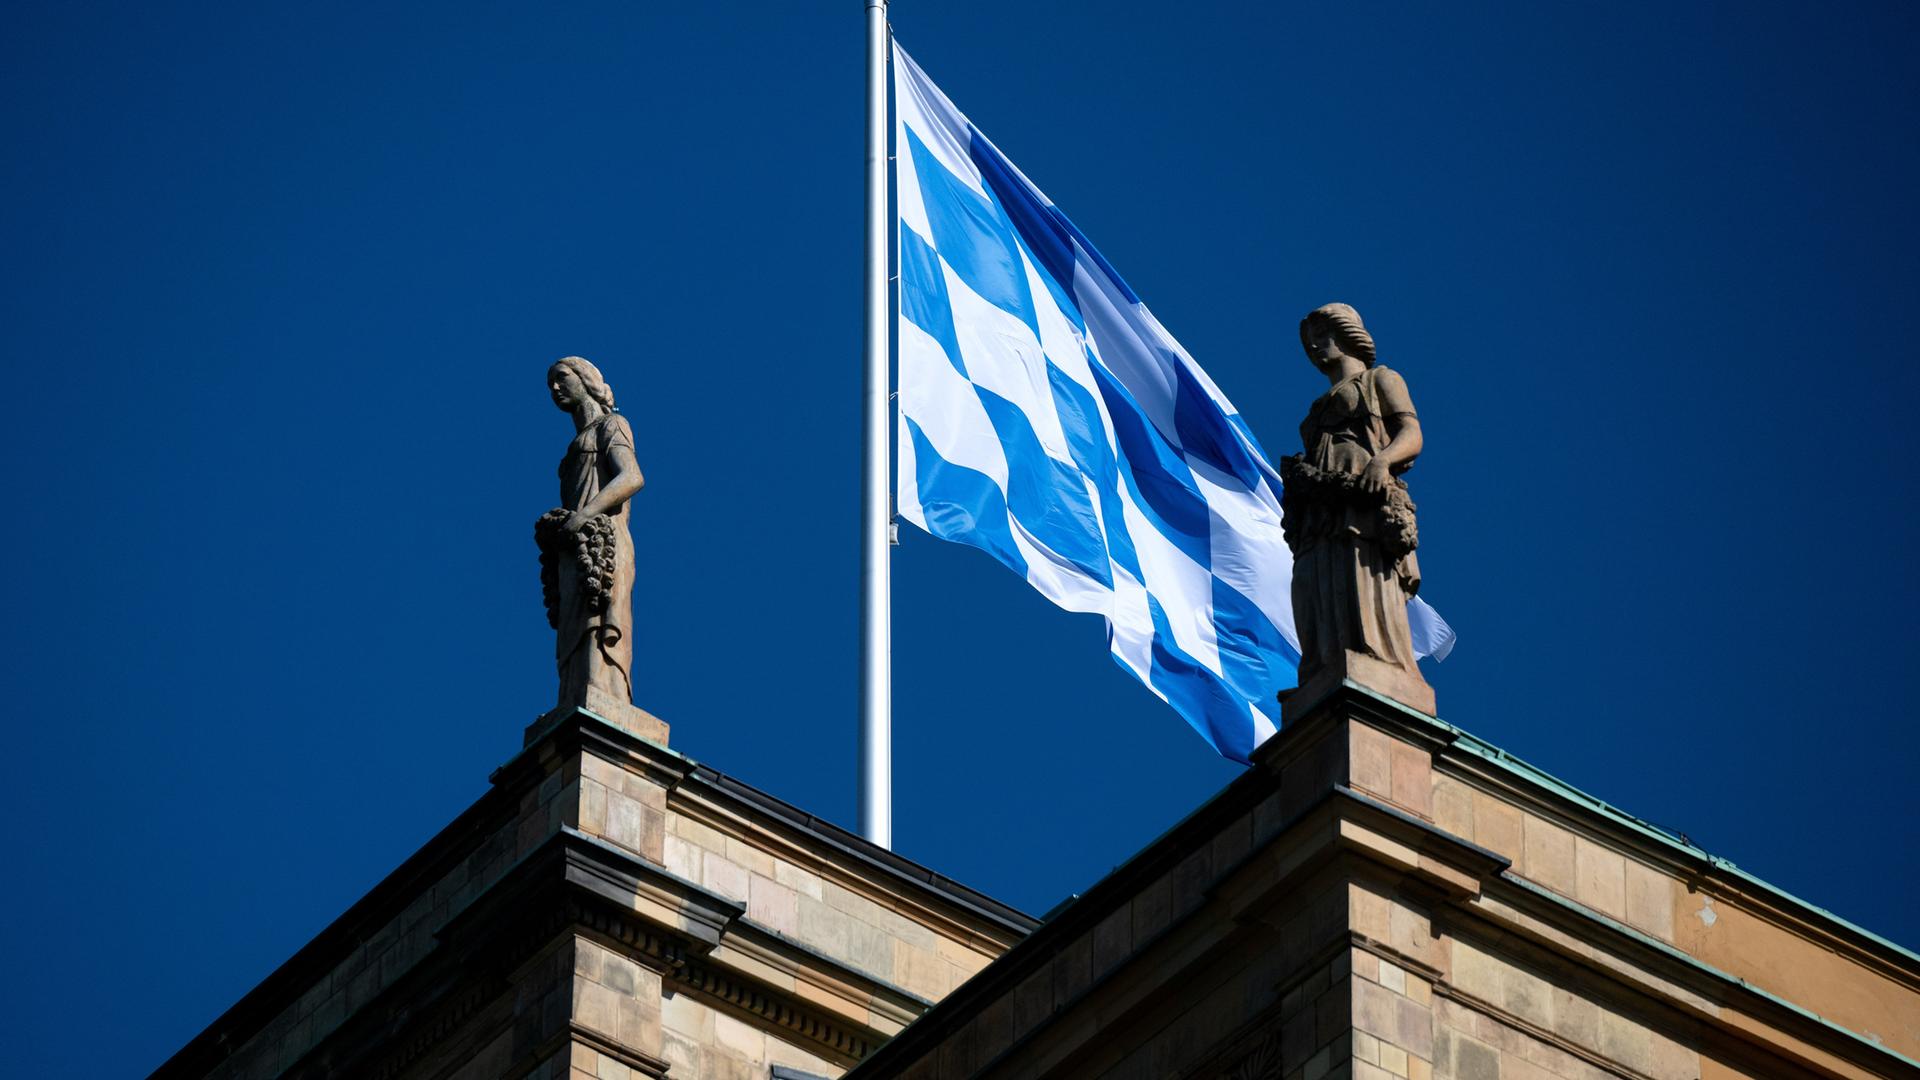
1334	330
572	380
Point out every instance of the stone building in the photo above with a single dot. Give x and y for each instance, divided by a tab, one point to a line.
1381	895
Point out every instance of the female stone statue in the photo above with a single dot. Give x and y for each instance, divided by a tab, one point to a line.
586	551
1347	517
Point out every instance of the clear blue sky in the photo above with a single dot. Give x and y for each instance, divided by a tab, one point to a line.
283	281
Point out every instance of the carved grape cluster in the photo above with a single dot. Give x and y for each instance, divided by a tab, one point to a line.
592	550
1302	483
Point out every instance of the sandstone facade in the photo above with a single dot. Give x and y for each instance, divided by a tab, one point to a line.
1381	895
610	910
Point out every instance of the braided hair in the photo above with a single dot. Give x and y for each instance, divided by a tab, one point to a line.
1344	324
590	378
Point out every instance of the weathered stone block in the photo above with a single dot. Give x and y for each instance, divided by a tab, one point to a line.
1412	783
681	857
1474	1060
683	1054
1576	1019
744	853
1112	940
870	949
1601	878
773	905
700	834
723	876
1626	1041
1476	973
1497	826
1152	909
682	1014
1073	970
804	882
824	928
1032	1001
1548	854
919	971
1372	760
1453	806
738	1038
1528	997
595	1007
1649	900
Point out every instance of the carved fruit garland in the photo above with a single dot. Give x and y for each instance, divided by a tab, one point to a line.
592	551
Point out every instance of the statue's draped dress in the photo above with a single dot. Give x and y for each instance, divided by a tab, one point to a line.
594	649
1349	593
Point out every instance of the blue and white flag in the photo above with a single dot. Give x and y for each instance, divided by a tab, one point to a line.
1049	420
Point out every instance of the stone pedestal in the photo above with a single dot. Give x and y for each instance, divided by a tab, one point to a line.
1357	669
624	715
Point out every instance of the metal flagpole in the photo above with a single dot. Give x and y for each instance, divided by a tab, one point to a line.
876	516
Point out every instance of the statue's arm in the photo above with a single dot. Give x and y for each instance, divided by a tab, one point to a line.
624	483
1404	441
619	489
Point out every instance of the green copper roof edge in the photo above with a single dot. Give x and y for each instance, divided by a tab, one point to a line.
1499	758
1673	953
1493	755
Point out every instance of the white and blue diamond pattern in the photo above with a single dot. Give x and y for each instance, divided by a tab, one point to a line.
1048	419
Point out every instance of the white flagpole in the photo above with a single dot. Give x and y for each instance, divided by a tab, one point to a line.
876	515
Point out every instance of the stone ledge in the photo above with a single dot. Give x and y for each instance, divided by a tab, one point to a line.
1358	672
690	782
1530	791
1730	1010
624	715
1344	822
1351	701
706	946
644	1064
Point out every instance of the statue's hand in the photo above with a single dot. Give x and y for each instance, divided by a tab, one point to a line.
1378	476
577	521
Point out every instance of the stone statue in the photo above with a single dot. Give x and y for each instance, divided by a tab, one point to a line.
586	551
1349	522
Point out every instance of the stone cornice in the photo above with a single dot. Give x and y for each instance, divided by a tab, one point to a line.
720	801
644	1064
1345	822
699	917
1599	1062
1460	754
849	861
698	941
1701	872
957	920
1559	931
701	942
685	923
854	993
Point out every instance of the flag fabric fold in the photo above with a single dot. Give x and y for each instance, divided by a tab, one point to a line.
1049	420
